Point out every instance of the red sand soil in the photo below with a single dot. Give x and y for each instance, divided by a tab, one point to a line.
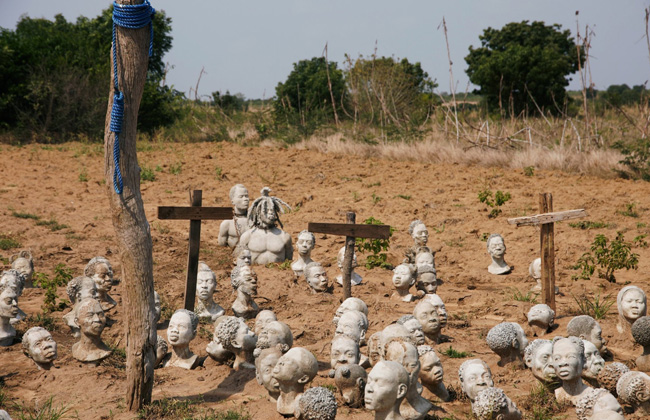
45	181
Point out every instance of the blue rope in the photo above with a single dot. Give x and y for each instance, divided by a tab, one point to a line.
130	17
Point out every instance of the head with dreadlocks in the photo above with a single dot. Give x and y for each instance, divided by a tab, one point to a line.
264	213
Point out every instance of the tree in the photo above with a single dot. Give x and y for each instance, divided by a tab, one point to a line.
523	66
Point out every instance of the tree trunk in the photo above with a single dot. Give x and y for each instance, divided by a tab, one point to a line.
129	219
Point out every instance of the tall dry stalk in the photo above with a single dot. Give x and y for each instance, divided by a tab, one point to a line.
329	84
451	78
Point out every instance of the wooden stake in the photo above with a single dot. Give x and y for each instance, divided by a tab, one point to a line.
350	218
547	248
196	198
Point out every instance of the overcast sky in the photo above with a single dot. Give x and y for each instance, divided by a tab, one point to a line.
248	46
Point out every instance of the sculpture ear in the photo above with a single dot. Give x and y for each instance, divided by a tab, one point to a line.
303	379
362	336
528	360
515	343
401	390
284	347
500	417
361	383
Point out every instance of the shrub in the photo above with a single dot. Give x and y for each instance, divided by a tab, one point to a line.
493	200
377	258
637	159
455	354
607	257
595	308
8	242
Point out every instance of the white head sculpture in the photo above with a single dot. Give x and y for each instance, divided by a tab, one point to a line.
263	318
431	372
162	349
508	341
78	289
419	233
403	279
351	382
180	332
641	334
316	403
244	257
535	269
437	303
493	403
39	346
497	249
386	389
569	362
374	348
610	374
16	281
353	324
632	304
538	358
244	281
206	284
594	363
598	404
294	370
414	328
304	245
316	277
350	304
541	318
427	314
634	388
231	230
355	279
275	334
264	364
234	335
24	263
90	317
344	351
587	328
426	279
8	311
100	270
215	348
157	307
475	376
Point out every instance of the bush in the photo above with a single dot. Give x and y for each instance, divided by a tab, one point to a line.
607	257
495	201
377	258
637	159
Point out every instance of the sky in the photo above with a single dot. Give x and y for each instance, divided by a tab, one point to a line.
249	46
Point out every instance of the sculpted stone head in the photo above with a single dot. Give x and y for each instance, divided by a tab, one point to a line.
493	404
431	371
350	304
156	307
595	403
405	353
262	319
641	331
426	279
594	363
244	279
24	264
568	358
264	213
403	276
387	386
437	303
414	328
475	376
295	369
374	348
341	256
275	334
428	317
264	364
353	324
351	383
316	277
610	374
8	301
89	316
586	328
80	288
182	328
497	250
206	284
316	403
634	388
13	279
424	257
244	257
419	233
239	198
235	336
39	346
507	340
538	357
344	351
390	333
541	316
631	302
100	270
305	243
535	268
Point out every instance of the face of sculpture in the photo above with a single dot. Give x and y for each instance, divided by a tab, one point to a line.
180	330
424	258
240	199
248	283
541	363
264	373
88	289
594	362
317	279
522	341
245	258
345	351
349	325
431	371
596	337
205	285
428	317
497	248
567	360
23	266
374	354
244	338
103	277
475	379
415	328
402	278
42	347
8	303
420	234
287	370
157	306
341	257
263	319
91	319
383	389
633	305
428	283
304	244
437	303
272	335
268	215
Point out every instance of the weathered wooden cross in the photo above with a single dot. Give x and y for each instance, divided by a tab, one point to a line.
547	221
194	214
351	231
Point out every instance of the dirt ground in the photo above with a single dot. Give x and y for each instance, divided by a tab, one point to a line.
65	183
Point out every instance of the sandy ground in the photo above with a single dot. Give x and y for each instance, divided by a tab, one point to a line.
45	181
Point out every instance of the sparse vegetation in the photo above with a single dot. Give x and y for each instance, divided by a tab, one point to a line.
404	197
375	247
519	296
168	408
586	224
596	308
607	257
147	174
455	354
493	200
375	198
630	210
52	224
46	411
541	404
529	171
83	175
176	168
8	242
50	286
22	215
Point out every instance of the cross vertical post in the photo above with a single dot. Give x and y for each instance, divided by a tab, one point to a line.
347	260
547	249
196	198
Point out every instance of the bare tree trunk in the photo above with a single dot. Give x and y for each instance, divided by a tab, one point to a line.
129	219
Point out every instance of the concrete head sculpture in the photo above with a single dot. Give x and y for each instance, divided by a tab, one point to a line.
375	352
316	403
427	314
24	264
78	289
215	348
641	334
538	358
424	257
8	311
594	363
180	332
569	362
316	277
403	279
262	319
494	404
437	303
497	250
355	279
244	257
431	372
414	327
475	376
157	307
231	230
344	351
264	364
304	245
541	318
244	281
353	324
587	328
90	317
234	335
595	403
610	374
275	334
16	281
350	304
386	389
162	348
634	388
419	233
535	271
632	305
100	270
351	382
206	284
426	279
507	340
294	370
267	242
39	346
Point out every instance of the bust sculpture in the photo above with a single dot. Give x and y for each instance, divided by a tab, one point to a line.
414	406
244	281
215	348
350	380
264	364
414	328
431	372
386	389
538	358
162	349
316	277
78	289
15	280
267	242
426	280
206	284
262	319
344	351
610	374
275	334
316	403
355	279
492	403
350	304
508	341
541	318
157	307
99	269
587	328
374	348
631	302
304	245
244	257
89	315
39	346
641	334
24	264
419	233
403	279
535	271
427	315
633	388
294	370
474	376
594	363
231	230
8	311
4	415
596	404
180	332
497	250
390	333
437	303
234	335
353	324
569	361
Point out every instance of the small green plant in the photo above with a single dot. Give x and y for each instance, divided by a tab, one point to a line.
280	266
542	405
41	320
493	200
374	184
47	411
218	171
596	308
640	225
147	174
439	229
331	387
637	159
640	241
376	247
21	215
375	198
404	197
529	171
52	224
158	168
484	236
169	408
455	354
8	242
49	285
630	210
607	257
586	224
355	197
83	175
62	274
519	296
175	168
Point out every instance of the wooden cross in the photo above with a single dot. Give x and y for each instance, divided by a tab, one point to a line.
194	214
351	231
547	221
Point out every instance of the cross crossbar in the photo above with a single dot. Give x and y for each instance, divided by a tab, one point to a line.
194	213
543	218
348	229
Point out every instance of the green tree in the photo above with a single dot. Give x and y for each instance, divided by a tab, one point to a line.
524	65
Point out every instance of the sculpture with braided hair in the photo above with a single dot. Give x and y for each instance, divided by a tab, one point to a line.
267	242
